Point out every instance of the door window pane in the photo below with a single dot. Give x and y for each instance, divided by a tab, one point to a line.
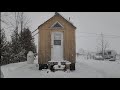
57	36
57	42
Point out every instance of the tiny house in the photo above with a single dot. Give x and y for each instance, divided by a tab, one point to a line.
56	41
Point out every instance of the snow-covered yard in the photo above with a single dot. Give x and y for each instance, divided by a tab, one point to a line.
84	69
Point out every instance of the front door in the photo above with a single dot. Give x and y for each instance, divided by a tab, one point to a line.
57	46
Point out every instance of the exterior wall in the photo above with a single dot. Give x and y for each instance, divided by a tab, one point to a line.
44	46
45	40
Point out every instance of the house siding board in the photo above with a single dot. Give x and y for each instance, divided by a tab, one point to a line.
45	40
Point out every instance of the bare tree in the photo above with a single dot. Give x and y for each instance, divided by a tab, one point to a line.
4	23
22	20
102	45
2	39
18	22
14	20
3	15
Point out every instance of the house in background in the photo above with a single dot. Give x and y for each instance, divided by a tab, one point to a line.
108	54
56	41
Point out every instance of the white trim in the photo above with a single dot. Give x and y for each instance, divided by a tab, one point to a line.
56	23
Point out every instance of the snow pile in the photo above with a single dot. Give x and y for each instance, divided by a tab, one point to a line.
30	57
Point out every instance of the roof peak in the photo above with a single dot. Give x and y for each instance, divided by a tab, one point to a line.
56	13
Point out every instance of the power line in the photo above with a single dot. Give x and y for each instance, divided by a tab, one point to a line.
35	34
35	30
106	36
90	33
97	36
100	34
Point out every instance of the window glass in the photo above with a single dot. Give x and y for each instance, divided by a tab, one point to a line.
57	36
57	42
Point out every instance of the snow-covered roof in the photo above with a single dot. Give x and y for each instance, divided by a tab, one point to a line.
57	14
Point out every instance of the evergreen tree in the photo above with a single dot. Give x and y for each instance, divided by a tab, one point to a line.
2	40
27	41
3	47
15	42
16	47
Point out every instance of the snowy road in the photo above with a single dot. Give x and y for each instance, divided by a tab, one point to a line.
84	69
107	68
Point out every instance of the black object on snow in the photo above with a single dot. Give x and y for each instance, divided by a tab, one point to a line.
72	66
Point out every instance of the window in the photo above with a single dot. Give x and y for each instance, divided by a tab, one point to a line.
57	36
57	25
57	42
57	39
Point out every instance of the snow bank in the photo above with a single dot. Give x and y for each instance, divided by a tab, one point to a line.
30	57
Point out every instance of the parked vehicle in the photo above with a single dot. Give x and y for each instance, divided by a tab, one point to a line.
108	55
98	57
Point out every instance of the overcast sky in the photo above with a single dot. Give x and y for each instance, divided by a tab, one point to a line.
88	22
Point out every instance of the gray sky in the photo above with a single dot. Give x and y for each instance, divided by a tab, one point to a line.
89	22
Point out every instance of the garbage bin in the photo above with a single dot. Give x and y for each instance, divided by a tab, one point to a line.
30	57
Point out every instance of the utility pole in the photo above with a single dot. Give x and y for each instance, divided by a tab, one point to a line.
102	42
103	45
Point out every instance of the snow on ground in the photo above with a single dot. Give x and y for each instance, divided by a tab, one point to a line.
84	69
109	69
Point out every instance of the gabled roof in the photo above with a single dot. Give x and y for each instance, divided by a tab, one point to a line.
57	14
